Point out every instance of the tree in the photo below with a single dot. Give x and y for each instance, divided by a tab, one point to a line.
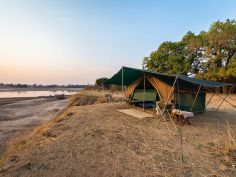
195	45
170	57
209	55
100	81
222	42
221	52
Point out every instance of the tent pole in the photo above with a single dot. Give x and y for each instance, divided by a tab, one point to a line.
210	99
178	94
195	99
224	99
227	101
122	83
144	84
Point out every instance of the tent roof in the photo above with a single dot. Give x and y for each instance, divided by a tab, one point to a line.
130	75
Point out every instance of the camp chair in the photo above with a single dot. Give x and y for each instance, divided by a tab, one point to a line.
164	109
164	113
160	110
108	97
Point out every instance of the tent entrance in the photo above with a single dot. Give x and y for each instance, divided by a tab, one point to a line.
144	95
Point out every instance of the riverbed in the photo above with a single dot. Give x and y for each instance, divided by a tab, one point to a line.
21	115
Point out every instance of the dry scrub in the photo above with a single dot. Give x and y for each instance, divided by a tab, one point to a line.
97	140
85	98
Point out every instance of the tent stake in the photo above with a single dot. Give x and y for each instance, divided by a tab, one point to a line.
195	99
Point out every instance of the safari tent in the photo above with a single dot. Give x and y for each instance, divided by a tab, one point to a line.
143	88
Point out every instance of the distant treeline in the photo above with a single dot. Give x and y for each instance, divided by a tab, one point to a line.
2	85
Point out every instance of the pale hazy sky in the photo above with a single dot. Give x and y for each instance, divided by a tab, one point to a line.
75	41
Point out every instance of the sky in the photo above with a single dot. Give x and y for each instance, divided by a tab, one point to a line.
78	41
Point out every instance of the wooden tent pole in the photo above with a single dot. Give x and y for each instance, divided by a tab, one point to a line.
210	99
195	99
224	99
227	101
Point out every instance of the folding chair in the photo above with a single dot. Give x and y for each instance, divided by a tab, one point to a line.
108	97
164	113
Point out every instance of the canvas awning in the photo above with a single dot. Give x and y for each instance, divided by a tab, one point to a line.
130	75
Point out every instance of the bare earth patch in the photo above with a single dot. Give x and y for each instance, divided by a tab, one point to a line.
98	140
22	117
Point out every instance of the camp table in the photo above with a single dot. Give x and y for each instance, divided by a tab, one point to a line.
182	116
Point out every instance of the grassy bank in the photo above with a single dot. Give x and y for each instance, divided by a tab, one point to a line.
91	138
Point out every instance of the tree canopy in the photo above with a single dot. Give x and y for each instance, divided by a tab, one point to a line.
209	55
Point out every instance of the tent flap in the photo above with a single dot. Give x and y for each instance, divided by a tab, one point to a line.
164	90
130	89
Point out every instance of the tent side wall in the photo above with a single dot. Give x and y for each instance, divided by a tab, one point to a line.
184	101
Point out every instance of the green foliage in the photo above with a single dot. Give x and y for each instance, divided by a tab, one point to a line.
222	41
169	58
209	55
224	74
100	81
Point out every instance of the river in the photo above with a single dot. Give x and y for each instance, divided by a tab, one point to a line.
20	94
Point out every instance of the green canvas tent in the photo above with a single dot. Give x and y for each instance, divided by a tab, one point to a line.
185	92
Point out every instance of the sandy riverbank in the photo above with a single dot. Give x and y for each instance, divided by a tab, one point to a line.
4	101
18	116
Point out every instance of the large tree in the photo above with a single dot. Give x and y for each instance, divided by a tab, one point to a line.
170	57
221	52
209	55
222	42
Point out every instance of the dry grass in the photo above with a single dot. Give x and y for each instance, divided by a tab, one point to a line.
19	144
79	99
89	98
97	140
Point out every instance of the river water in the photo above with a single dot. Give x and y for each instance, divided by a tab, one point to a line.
20	94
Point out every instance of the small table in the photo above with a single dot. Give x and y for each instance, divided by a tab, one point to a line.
181	117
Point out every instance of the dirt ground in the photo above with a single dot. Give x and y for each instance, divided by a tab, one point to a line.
20	115
97	140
